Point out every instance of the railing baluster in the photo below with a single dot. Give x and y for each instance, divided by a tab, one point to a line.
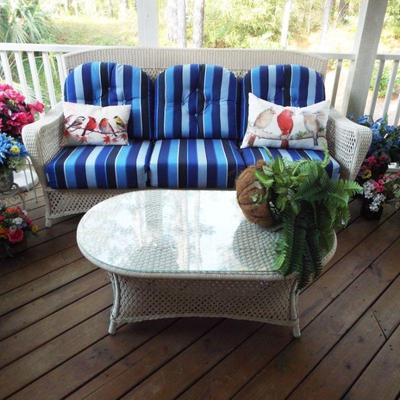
6	67
389	91
21	73
35	75
49	79
336	81
397	116
61	70
376	87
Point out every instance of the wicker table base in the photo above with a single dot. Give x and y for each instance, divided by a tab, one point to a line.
187	253
139	299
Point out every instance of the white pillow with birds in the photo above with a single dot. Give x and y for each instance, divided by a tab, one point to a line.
86	124
272	125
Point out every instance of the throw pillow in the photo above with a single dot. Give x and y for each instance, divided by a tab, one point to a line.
95	125
272	125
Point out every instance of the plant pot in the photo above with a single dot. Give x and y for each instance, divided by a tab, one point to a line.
367	213
6	179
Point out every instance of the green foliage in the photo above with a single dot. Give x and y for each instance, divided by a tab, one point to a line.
310	206
23	21
384	82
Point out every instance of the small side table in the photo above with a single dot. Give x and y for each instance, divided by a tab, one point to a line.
14	191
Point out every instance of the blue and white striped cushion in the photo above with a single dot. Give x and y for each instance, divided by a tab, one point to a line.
105	167
196	101
195	163
252	154
105	84
286	85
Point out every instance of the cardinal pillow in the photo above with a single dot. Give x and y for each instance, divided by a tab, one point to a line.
272	125
87	124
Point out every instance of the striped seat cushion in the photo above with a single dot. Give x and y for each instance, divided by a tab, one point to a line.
106	84
196	101
195	163
252	154
105	167
286	85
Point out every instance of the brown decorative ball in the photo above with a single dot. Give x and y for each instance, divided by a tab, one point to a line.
246	187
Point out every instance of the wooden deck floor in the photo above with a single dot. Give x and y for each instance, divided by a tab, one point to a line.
54	308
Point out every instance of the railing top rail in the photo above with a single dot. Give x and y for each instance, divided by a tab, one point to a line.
59	48
67	48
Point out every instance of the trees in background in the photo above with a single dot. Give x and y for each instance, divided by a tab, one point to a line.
24	21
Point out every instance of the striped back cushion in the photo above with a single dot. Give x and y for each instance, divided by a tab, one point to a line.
196	101
106	84
286	85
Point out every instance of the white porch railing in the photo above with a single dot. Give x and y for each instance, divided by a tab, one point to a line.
39	72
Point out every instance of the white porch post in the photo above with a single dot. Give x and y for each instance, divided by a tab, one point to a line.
370	23
147	15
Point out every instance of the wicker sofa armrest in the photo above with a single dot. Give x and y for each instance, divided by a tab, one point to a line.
42	139
348	143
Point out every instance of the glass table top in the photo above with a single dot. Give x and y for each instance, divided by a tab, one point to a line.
175	232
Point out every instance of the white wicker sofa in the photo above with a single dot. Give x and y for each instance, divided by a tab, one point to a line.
348	142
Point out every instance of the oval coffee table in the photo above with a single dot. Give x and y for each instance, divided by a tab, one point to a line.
181	253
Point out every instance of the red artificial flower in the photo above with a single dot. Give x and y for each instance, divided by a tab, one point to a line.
15	235
13	210
2	218
36	106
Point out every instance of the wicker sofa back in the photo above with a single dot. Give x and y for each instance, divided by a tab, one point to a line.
182	152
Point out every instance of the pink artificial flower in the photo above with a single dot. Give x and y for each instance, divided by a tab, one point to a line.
15	235
14	95
36	107
379	186
4	86
372	160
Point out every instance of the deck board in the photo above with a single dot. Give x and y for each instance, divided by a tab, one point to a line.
54	308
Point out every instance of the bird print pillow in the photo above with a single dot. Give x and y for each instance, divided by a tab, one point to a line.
272	125
85	124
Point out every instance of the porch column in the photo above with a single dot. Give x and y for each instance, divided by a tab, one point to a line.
370	23
147	15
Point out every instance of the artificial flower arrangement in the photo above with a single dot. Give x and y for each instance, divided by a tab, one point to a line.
373	167
12	152
14	223
307	202
15	112
377	192
385	137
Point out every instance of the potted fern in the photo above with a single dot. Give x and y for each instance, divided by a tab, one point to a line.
310	206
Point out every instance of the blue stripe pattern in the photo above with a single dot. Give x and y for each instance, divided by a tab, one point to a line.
95	167
252	154
195	163
196	101
286	85
105	84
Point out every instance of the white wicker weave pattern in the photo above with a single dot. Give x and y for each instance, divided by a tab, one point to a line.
348	142
187	253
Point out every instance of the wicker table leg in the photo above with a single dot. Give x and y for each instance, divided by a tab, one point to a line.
112	328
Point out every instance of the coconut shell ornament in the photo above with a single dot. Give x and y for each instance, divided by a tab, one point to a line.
246	187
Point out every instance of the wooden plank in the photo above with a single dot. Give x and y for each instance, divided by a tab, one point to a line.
354	352
37	269
279	377
92	360
53	353
39	252
30	313
39	287
381	379
39	333
137	365
253	355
